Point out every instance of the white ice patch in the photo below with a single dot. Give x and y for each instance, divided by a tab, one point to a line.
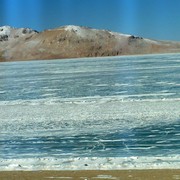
99	115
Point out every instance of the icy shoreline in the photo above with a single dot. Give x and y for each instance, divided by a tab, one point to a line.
91	163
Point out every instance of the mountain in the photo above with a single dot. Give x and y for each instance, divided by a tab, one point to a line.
73	42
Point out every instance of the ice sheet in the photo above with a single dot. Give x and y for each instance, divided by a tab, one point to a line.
93	113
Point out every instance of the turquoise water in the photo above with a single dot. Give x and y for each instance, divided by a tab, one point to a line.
161	140
97	107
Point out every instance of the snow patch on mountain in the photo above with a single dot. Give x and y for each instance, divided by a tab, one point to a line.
73	28
89	32
151	41
7	32
118	34
80	31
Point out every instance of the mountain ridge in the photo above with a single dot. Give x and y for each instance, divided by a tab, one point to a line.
75	42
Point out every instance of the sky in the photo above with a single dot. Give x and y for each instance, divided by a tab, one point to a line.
155	19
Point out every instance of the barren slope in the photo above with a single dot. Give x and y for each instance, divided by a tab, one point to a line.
74	42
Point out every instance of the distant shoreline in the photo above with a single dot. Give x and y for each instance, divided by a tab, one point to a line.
100	57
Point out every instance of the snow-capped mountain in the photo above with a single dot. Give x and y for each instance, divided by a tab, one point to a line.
73	42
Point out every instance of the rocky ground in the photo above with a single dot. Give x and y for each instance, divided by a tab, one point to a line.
75	42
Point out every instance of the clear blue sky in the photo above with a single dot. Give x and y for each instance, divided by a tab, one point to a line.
156	19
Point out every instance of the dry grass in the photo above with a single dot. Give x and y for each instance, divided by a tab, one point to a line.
163	174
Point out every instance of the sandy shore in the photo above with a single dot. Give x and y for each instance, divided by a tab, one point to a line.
164	174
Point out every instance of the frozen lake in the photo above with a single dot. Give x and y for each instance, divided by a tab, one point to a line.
91	113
